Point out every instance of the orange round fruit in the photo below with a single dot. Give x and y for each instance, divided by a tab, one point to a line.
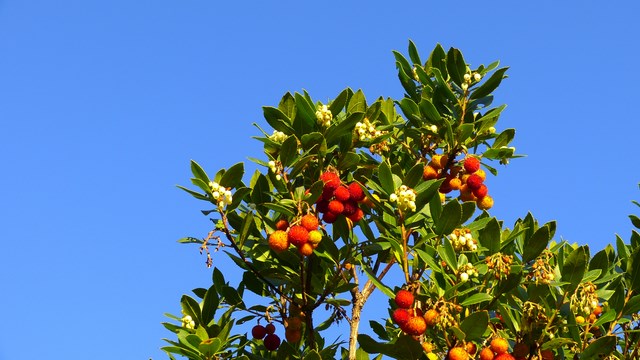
471	348
278	241
309	222
499	345
431	317
486	354
598	310
455	183
305	249
458	353
429	173
416	326
293	336
505	356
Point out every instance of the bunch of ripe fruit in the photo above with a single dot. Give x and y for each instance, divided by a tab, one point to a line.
304	235
468	179
271	340
412	320
338	199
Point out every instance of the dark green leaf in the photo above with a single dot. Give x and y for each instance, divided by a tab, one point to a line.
437	59
339	102
357	103
536	244
448	254
600	348
476	299
504	138
475	325
338	132
450	218
233	176
413	53
574	268
635	221
198	172
305	119
633	268
232	297
287	106
456	65
386	178
429	111
289	151
210	305
414	176
277	119
490	84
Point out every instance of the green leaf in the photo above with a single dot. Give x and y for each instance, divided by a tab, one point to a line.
198	172
574	268
635	221
195	194
191	308
411	111
287	106
475	324
384	288
456	65
247	225
450	218
448	254
210	305
210	347
437	59
232	297
504	139
386	178
414	175
413	53
600	348
345	127
606	317
633	268
305	119
233	176
289	151
536	244
314	143
476	299
339	102
429	111
357	103
490	84
277	119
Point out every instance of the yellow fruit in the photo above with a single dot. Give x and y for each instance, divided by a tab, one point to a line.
315	236
482	174
431	317
485	203
427	347
580	319
443	197
455	184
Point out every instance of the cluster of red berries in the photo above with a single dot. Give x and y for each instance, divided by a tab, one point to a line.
304	235
271	340
338	199
468	179
412	320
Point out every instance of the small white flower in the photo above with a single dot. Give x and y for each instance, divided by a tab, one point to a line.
464	277
477	77
393	197
216	195
433	128
278	177
465	86
467	77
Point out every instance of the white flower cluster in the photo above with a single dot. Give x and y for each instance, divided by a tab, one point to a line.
405	197
276	168
187	322
467	80
462	240
466	270
324	115
366	130
278	136
220	194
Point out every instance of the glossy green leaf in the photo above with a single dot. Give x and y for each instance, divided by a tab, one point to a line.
574	268
475	325
357	103
277	119
476	299
386	178
600	348
450	218
414	176
289	151
456	65
233	176
490	84
287	106
536	244
210	305
448	254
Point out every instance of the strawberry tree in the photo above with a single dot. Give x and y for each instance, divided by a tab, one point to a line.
350	191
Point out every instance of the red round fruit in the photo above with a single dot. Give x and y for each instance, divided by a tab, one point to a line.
331	180
356	216
505	356
356	191
474	181
282	224
481	192
309	222
401	316
272	342
258	332
350	208
342	193
322	206
329	217
471	164
298	235
336	207
404	299
327	193
270	328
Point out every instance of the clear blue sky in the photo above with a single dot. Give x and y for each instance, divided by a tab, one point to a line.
103	104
